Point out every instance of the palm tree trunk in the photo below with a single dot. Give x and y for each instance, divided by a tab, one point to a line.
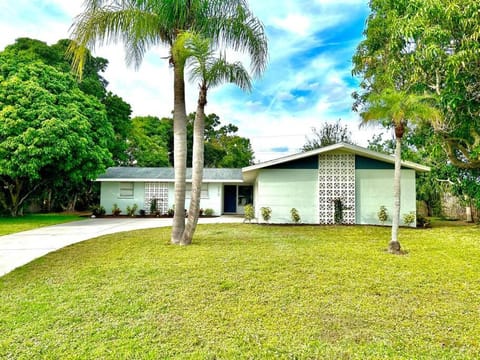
197	166
394	244
179	151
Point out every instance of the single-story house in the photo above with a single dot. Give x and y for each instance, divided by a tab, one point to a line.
311	182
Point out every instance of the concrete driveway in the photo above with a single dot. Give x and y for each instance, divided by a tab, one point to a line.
20	248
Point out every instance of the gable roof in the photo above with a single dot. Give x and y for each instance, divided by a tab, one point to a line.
343	147
164	174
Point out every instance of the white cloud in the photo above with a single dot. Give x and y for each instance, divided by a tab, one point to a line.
294	23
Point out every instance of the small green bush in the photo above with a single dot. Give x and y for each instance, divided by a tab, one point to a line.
249	212
423	222
153	207
409	218
295	215
382	214
209	212
98	210
338	210
266	213
132	210
116	210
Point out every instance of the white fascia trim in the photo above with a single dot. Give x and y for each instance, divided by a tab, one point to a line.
164	180
340	146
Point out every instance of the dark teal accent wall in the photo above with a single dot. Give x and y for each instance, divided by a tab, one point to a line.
371	164
304	163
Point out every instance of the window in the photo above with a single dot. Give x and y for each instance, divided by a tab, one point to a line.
203	194
126	189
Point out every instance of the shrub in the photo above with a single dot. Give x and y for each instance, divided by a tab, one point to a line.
423	222
266	213
338	210
132	210
249	212
295	215
98	210
382	214
209	212
116	210
171	211
153	206
142	212
409	218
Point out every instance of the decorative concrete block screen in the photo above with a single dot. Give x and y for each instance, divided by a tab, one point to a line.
336	180
157	191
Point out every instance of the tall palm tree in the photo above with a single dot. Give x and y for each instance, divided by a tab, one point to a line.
397	109
208	71
142	24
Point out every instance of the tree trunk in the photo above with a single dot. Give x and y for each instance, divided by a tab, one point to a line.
394	244
468	209
197	166
179	151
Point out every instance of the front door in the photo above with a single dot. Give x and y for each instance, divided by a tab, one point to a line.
230	199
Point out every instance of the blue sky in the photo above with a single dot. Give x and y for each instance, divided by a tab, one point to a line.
308	80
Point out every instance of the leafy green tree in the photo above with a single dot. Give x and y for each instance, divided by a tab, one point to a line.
140	24
428	46
149	141
395	109
223	147
49	130
328	134
208	71
28	50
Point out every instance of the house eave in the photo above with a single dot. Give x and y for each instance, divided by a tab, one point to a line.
229	181
354	149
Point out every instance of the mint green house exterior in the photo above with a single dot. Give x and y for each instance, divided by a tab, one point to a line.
310	182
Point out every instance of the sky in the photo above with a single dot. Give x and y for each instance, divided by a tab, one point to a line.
307	83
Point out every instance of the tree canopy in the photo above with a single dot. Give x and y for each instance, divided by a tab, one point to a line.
428	47
328	134
56	133
49	130
151	143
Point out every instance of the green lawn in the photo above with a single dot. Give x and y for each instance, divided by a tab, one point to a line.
249	292
9	225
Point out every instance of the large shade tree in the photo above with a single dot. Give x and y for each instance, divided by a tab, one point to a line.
396	109
141	24
428	46
208	71
50	131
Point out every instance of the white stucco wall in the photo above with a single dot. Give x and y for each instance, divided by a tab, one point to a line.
284	189
213	201
110	194
374	188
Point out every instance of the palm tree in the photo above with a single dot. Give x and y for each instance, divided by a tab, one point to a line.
142	24
397	108
208	71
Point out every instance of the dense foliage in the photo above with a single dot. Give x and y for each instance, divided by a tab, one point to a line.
151	143
55	133
428	47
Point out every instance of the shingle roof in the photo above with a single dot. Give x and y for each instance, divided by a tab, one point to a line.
167	174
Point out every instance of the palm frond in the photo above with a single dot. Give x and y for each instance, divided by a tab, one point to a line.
123	21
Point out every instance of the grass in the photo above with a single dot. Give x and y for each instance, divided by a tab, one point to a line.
249	292
9	225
